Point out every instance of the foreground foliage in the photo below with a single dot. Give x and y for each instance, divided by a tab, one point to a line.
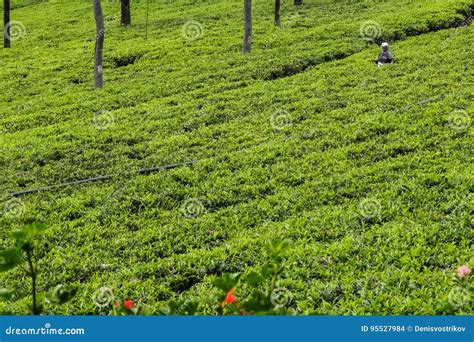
22	251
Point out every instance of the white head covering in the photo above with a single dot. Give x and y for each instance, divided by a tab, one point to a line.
384	44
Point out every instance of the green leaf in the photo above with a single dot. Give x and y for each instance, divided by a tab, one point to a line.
259	302
271	270
254	279
26	246
180	307
227	281
61	294
277	248
6	294
27	233
9	258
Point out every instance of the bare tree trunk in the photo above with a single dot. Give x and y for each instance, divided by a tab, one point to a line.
298	2
126	18
247	26
6	23
277	12
99	44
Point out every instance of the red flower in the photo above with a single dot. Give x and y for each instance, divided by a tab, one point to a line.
128	304
117	303
229	298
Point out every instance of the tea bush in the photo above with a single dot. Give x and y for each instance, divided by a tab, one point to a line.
365	172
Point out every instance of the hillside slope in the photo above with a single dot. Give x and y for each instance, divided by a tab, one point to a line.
367	172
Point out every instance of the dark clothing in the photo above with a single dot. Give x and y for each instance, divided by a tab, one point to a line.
385	57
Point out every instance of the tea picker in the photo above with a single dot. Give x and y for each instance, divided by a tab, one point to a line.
385	56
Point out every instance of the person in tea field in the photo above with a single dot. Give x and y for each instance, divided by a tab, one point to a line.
385	56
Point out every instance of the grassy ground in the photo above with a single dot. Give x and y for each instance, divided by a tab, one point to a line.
367	172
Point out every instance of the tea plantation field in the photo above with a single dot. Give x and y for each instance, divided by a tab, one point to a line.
366	172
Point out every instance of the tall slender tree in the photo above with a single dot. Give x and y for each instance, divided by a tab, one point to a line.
99	44
247	26
125	18
277	12
6	23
